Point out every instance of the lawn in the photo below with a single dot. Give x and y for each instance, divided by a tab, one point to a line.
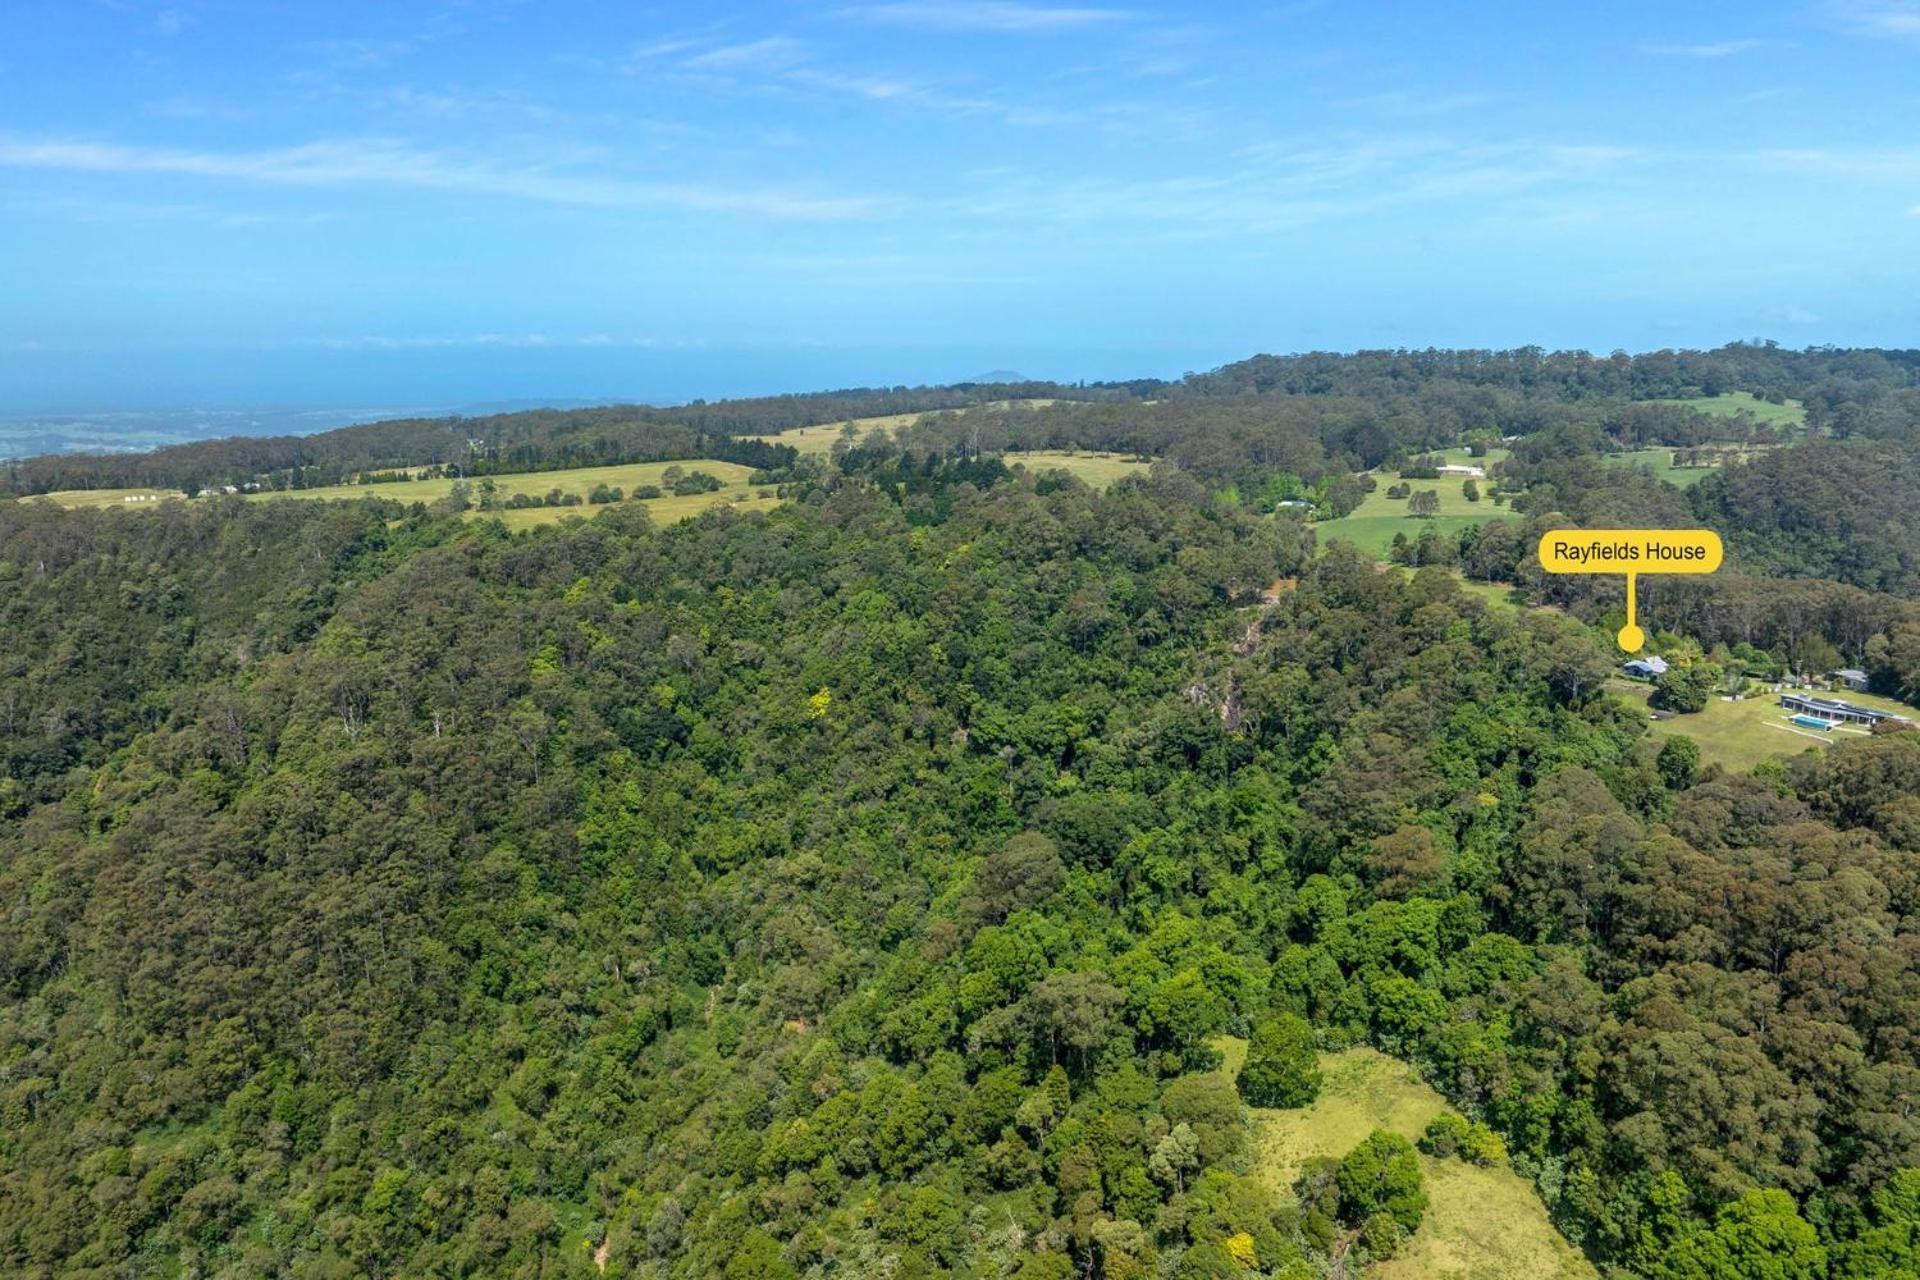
1097	469
1740	735
1481	1224
1791	414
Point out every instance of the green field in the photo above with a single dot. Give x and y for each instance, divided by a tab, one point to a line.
734	491
1464	456
114	499
1097	469
580	480
819	438
1372	524
1791	414
1482	1224
670	509
1661	462
1740	735
1498	594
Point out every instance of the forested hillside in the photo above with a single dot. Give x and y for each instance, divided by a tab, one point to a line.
858	889
532	440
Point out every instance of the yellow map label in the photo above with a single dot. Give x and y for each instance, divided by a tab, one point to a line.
1633	551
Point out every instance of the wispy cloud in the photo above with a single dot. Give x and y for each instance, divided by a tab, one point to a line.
1886	19
379	162
792	64
1719	49
171	22
1287	184
1891	165
1409	103
982	16
772	53
136	211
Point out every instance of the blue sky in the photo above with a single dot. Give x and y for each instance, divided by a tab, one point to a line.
224	202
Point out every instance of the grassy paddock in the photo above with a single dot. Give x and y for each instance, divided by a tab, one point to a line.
1097	469
1792	414
113	499
1372	524
536	484
1374	534
1661	462
1481	1224
667	510
819	438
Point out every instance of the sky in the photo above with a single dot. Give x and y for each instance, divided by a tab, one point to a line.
229	203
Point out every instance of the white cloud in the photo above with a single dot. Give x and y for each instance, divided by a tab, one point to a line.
982	16
1887	19
1722	49
379	162
774	53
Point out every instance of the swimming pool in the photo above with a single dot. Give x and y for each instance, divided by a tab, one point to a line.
1813	722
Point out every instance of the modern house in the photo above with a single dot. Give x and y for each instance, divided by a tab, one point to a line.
1457	469
1834	709
1645	668
1852	677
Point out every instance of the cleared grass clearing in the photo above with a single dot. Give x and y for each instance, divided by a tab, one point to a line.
1372	524
1661	462
1497	594
580	480
1740	735
1374	534
1790	414
130	499
1464	457
1481	1224
668	510
819	438
1097	469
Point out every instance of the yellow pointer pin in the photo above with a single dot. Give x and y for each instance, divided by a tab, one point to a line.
1631	552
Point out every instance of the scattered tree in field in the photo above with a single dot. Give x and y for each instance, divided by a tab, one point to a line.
1382	1175
1283	1066
1424	503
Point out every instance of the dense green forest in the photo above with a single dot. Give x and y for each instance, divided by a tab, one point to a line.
859	888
